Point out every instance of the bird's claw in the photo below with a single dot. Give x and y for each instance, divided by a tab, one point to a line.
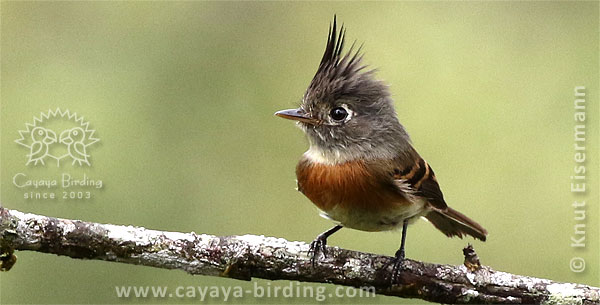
319	245
396	270
397	262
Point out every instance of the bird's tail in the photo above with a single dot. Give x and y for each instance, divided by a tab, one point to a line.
453	223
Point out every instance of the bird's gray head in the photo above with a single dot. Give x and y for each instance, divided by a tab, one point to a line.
346	113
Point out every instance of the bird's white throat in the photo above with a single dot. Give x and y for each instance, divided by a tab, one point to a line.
339	156
317	155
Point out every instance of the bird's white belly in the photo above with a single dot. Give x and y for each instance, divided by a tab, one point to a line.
377	221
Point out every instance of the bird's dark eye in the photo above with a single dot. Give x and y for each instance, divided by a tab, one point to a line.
338	113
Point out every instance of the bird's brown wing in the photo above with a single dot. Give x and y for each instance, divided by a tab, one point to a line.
420	178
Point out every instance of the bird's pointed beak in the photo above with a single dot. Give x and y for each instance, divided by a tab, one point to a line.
65	137
297	115
50	137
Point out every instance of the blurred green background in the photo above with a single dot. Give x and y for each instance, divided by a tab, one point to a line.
182	95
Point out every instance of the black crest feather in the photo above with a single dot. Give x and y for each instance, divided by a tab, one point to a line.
335	45
341	74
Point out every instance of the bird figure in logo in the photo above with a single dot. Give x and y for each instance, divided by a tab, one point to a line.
74	139
361	169
42	139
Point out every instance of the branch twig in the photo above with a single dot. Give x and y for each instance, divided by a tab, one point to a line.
248	256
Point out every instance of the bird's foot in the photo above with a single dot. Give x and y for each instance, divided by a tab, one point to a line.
318	246
397	261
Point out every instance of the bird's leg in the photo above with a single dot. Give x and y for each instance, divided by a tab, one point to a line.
320	243
400	254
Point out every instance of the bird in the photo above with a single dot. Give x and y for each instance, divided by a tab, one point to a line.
42	139
74	139
361	169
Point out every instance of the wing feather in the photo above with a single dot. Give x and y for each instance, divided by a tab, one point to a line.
420	179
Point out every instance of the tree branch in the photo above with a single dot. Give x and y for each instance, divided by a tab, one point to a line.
247	256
